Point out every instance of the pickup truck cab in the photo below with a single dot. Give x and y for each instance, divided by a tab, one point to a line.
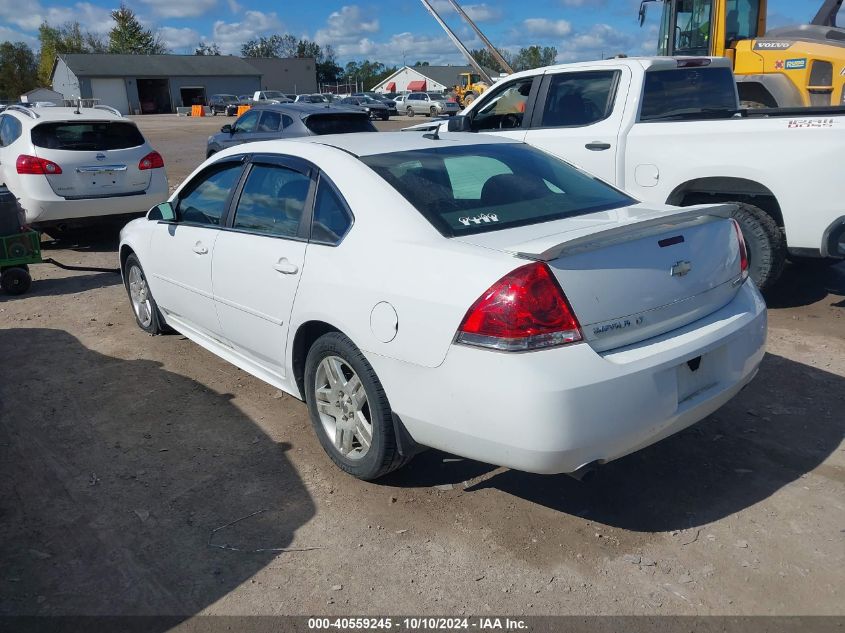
670	130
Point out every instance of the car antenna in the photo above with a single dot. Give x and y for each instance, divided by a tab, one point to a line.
434	135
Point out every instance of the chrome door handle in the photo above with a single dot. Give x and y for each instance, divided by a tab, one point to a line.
597	146
285	267
199	249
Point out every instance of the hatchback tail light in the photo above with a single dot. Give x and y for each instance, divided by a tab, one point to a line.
524	310
36	166
153	160
743	250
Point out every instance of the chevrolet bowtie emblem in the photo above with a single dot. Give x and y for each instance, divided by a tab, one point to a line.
680	269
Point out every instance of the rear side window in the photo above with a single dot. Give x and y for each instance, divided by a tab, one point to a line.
675	93
331	219
339	123
10	130
87	136
577	99
272	201
480	188
270	121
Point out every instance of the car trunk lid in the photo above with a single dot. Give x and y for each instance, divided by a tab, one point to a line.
633	273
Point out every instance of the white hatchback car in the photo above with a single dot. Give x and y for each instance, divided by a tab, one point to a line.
72	166
461	292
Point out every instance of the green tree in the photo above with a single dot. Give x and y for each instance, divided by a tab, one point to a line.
419	64
206	48
61	40
264	47
129	37
486	59
534	57
18	70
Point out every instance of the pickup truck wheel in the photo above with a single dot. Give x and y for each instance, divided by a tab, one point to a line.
349	409
765	243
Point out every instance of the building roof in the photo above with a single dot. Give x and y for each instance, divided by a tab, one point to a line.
37	90
107	65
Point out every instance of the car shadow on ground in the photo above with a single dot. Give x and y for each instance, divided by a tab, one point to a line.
115	474
804	285
64	285
765	438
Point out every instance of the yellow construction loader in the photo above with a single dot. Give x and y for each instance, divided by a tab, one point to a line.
792	66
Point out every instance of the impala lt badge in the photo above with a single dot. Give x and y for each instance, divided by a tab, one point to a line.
680	269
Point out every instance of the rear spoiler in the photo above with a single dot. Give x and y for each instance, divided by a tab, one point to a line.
652	222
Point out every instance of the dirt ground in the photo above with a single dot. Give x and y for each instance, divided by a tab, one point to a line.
122	456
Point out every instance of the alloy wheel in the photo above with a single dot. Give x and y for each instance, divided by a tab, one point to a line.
139	295
343	407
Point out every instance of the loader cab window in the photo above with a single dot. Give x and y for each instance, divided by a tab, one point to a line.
742	20
689	27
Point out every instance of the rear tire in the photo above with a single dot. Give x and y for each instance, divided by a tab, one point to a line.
338	378
765	243
410	112
15	280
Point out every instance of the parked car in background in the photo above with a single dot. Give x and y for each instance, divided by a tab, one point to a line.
430	104
245	100
289	120
497	310
390	103
375	108
224	104
270	96
72	167
311	99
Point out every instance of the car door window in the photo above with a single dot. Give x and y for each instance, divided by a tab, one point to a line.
270	121
205	202
248	122
286	121
579	99
331	217
505	108
273	201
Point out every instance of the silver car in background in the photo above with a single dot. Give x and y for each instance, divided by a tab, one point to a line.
429	104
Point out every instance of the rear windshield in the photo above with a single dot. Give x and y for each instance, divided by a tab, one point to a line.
87	136
670	93
339	123
479	188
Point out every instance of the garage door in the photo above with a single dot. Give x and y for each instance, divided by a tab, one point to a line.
111	92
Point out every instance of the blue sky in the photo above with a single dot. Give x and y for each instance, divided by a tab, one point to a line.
390	31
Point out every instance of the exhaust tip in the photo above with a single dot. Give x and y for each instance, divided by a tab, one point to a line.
586	472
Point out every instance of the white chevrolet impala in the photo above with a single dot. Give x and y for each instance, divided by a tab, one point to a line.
461	292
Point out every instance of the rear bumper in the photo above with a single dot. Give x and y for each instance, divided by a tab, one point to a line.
557	410
43	207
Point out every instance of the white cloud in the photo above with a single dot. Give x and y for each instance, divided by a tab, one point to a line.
229	36
348	27
234	7
482	12
11	35
180	8
29	18
601	40
583	3
179	39
541	27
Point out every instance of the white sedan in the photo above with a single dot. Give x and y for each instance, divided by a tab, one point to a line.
462	292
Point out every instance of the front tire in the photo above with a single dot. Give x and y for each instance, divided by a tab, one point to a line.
349	409
144	307
765	242
411	112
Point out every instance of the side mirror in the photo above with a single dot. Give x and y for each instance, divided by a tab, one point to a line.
460	123
163	212
227	129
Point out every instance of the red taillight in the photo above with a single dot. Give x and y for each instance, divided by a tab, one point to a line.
524	310
36	166
153	160
743	250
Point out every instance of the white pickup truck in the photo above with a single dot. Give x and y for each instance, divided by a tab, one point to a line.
670	130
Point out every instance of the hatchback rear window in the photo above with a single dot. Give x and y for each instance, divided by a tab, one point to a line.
87	136
479	188
339	123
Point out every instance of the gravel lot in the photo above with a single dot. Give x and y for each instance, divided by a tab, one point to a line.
121	454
